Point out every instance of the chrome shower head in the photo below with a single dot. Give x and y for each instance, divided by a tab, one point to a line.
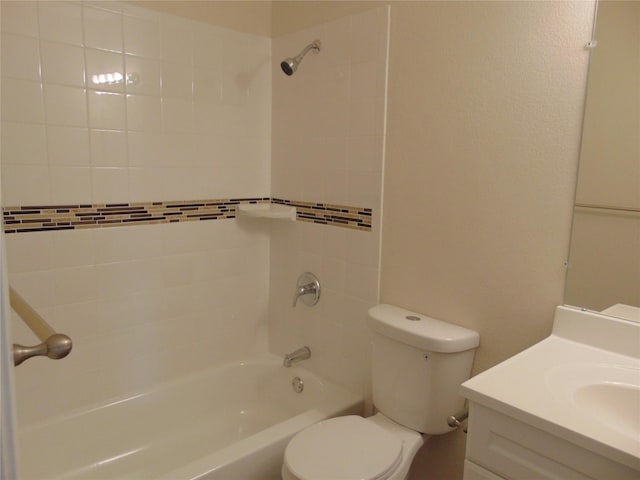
290	65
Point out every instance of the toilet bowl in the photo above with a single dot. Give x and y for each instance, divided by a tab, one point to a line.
418	364
352	447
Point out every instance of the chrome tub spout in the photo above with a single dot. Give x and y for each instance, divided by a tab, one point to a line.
294	357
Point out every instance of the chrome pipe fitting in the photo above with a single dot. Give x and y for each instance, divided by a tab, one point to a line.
55	347
303	353
457	420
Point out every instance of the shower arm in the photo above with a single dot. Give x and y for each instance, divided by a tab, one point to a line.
315	46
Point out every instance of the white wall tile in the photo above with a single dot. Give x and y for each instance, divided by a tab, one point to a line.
22	101
70	185
336	187
336	38
24	144
147	184
207	83
127	243
367	28
177	41
176	150
100	62
208	46
62	64
107	110
364	79
68	146
177	80
25	185
144	113
65	105
20	17
142	37
75	285
102	29
20	57
145	148
60	21
365	154
177	115
108	148
110	184
362	118
143	75
364	188
27	254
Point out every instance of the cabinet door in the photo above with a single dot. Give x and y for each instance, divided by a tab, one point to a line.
519	451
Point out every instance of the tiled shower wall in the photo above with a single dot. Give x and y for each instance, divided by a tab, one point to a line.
148	303
142	303
328	146
191	121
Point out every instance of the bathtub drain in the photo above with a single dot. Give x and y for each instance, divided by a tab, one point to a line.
297	384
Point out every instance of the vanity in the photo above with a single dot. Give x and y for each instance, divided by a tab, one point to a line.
566	408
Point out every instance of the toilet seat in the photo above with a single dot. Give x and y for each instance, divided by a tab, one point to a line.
347	447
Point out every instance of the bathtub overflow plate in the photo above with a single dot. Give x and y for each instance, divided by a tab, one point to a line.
297	384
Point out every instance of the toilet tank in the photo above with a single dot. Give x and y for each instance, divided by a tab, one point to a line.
418	364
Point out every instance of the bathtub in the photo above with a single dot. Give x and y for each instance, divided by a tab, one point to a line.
231	422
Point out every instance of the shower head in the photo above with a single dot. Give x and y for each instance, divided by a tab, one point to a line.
290	65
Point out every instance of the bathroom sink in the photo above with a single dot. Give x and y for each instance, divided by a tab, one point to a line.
615	404
581	384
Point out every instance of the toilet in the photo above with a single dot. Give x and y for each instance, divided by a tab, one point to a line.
418	364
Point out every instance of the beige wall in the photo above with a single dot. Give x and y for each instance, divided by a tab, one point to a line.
485	110
244	16
484	119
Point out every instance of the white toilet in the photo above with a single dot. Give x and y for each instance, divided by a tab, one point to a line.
418	364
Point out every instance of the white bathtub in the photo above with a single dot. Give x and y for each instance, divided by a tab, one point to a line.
228	423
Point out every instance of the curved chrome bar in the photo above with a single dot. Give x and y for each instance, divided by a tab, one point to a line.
54	345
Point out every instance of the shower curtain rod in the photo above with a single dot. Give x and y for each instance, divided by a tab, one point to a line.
54	345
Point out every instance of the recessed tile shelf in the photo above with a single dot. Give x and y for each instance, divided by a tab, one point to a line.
273	211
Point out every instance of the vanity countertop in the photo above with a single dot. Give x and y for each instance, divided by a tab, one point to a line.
581	384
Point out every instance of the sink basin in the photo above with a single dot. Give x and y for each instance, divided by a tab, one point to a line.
608	393
615	404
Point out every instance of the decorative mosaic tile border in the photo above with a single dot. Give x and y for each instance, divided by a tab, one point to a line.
40	218
328	214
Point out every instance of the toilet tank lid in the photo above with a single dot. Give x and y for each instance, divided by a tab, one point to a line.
421	331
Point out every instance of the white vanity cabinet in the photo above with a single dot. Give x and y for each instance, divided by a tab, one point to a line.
501	447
